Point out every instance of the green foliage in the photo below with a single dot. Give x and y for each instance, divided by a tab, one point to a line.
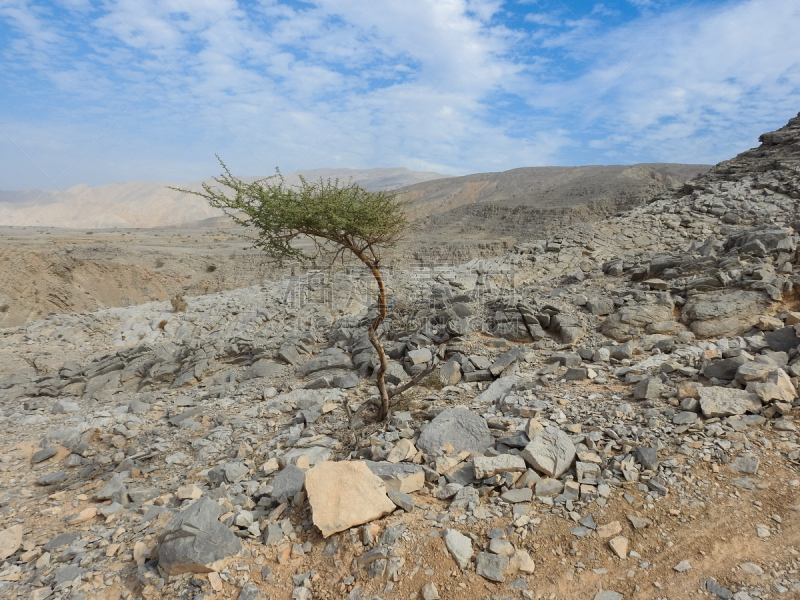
211	268
335	216
159	263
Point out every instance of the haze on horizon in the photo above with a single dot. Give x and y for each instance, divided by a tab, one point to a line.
125	90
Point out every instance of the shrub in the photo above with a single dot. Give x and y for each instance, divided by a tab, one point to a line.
179	303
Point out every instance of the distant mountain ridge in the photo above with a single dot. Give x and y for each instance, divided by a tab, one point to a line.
153	204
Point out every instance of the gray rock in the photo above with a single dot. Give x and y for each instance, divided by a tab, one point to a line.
459	546
745	464
489	466
623	351
504	361
629	321
464	497
51	478
551	452
782	340
194	539
724	370
401	500
647	389
263	368
715	589
251	592
419	357
725	314
647	456
67	574
63	406
288	483
330	360
235	471
458	426
138	407
724	402
685	417
391	535
43	454
450	372
600	306
491	566
497	390
548	488
608	595
518	495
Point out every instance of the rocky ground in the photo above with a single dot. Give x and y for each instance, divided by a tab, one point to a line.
610	413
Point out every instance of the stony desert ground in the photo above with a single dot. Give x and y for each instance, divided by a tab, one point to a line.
606	412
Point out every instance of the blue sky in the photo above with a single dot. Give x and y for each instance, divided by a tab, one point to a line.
99	91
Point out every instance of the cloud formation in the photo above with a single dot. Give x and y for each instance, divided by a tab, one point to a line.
113	90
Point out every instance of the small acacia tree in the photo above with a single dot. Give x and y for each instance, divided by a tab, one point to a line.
336	217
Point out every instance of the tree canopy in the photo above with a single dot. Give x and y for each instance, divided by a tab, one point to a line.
333	215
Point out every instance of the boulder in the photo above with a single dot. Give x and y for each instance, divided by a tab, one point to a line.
629	321
724	314
345	494
550	452
457	426
724	402
194	540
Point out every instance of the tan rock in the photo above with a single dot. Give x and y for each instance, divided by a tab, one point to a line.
403	450
792	318
407	484
345	494
522	561
87	514
10	541
141	552
215	581
767	323
532	428
609	529
688	390
189	492
619	545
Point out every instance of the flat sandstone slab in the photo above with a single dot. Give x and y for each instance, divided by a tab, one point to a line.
345	494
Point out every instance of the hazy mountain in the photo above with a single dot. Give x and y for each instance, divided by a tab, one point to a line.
152	204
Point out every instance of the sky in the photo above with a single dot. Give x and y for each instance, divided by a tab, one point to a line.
103	91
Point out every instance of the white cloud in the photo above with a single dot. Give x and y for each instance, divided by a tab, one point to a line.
451	85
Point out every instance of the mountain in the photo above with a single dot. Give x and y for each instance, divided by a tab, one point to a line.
153	204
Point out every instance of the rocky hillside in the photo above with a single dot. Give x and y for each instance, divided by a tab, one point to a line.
536	201
610	413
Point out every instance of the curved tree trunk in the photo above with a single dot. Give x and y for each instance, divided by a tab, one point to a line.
383	408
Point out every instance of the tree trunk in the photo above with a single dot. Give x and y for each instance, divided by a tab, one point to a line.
383	407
